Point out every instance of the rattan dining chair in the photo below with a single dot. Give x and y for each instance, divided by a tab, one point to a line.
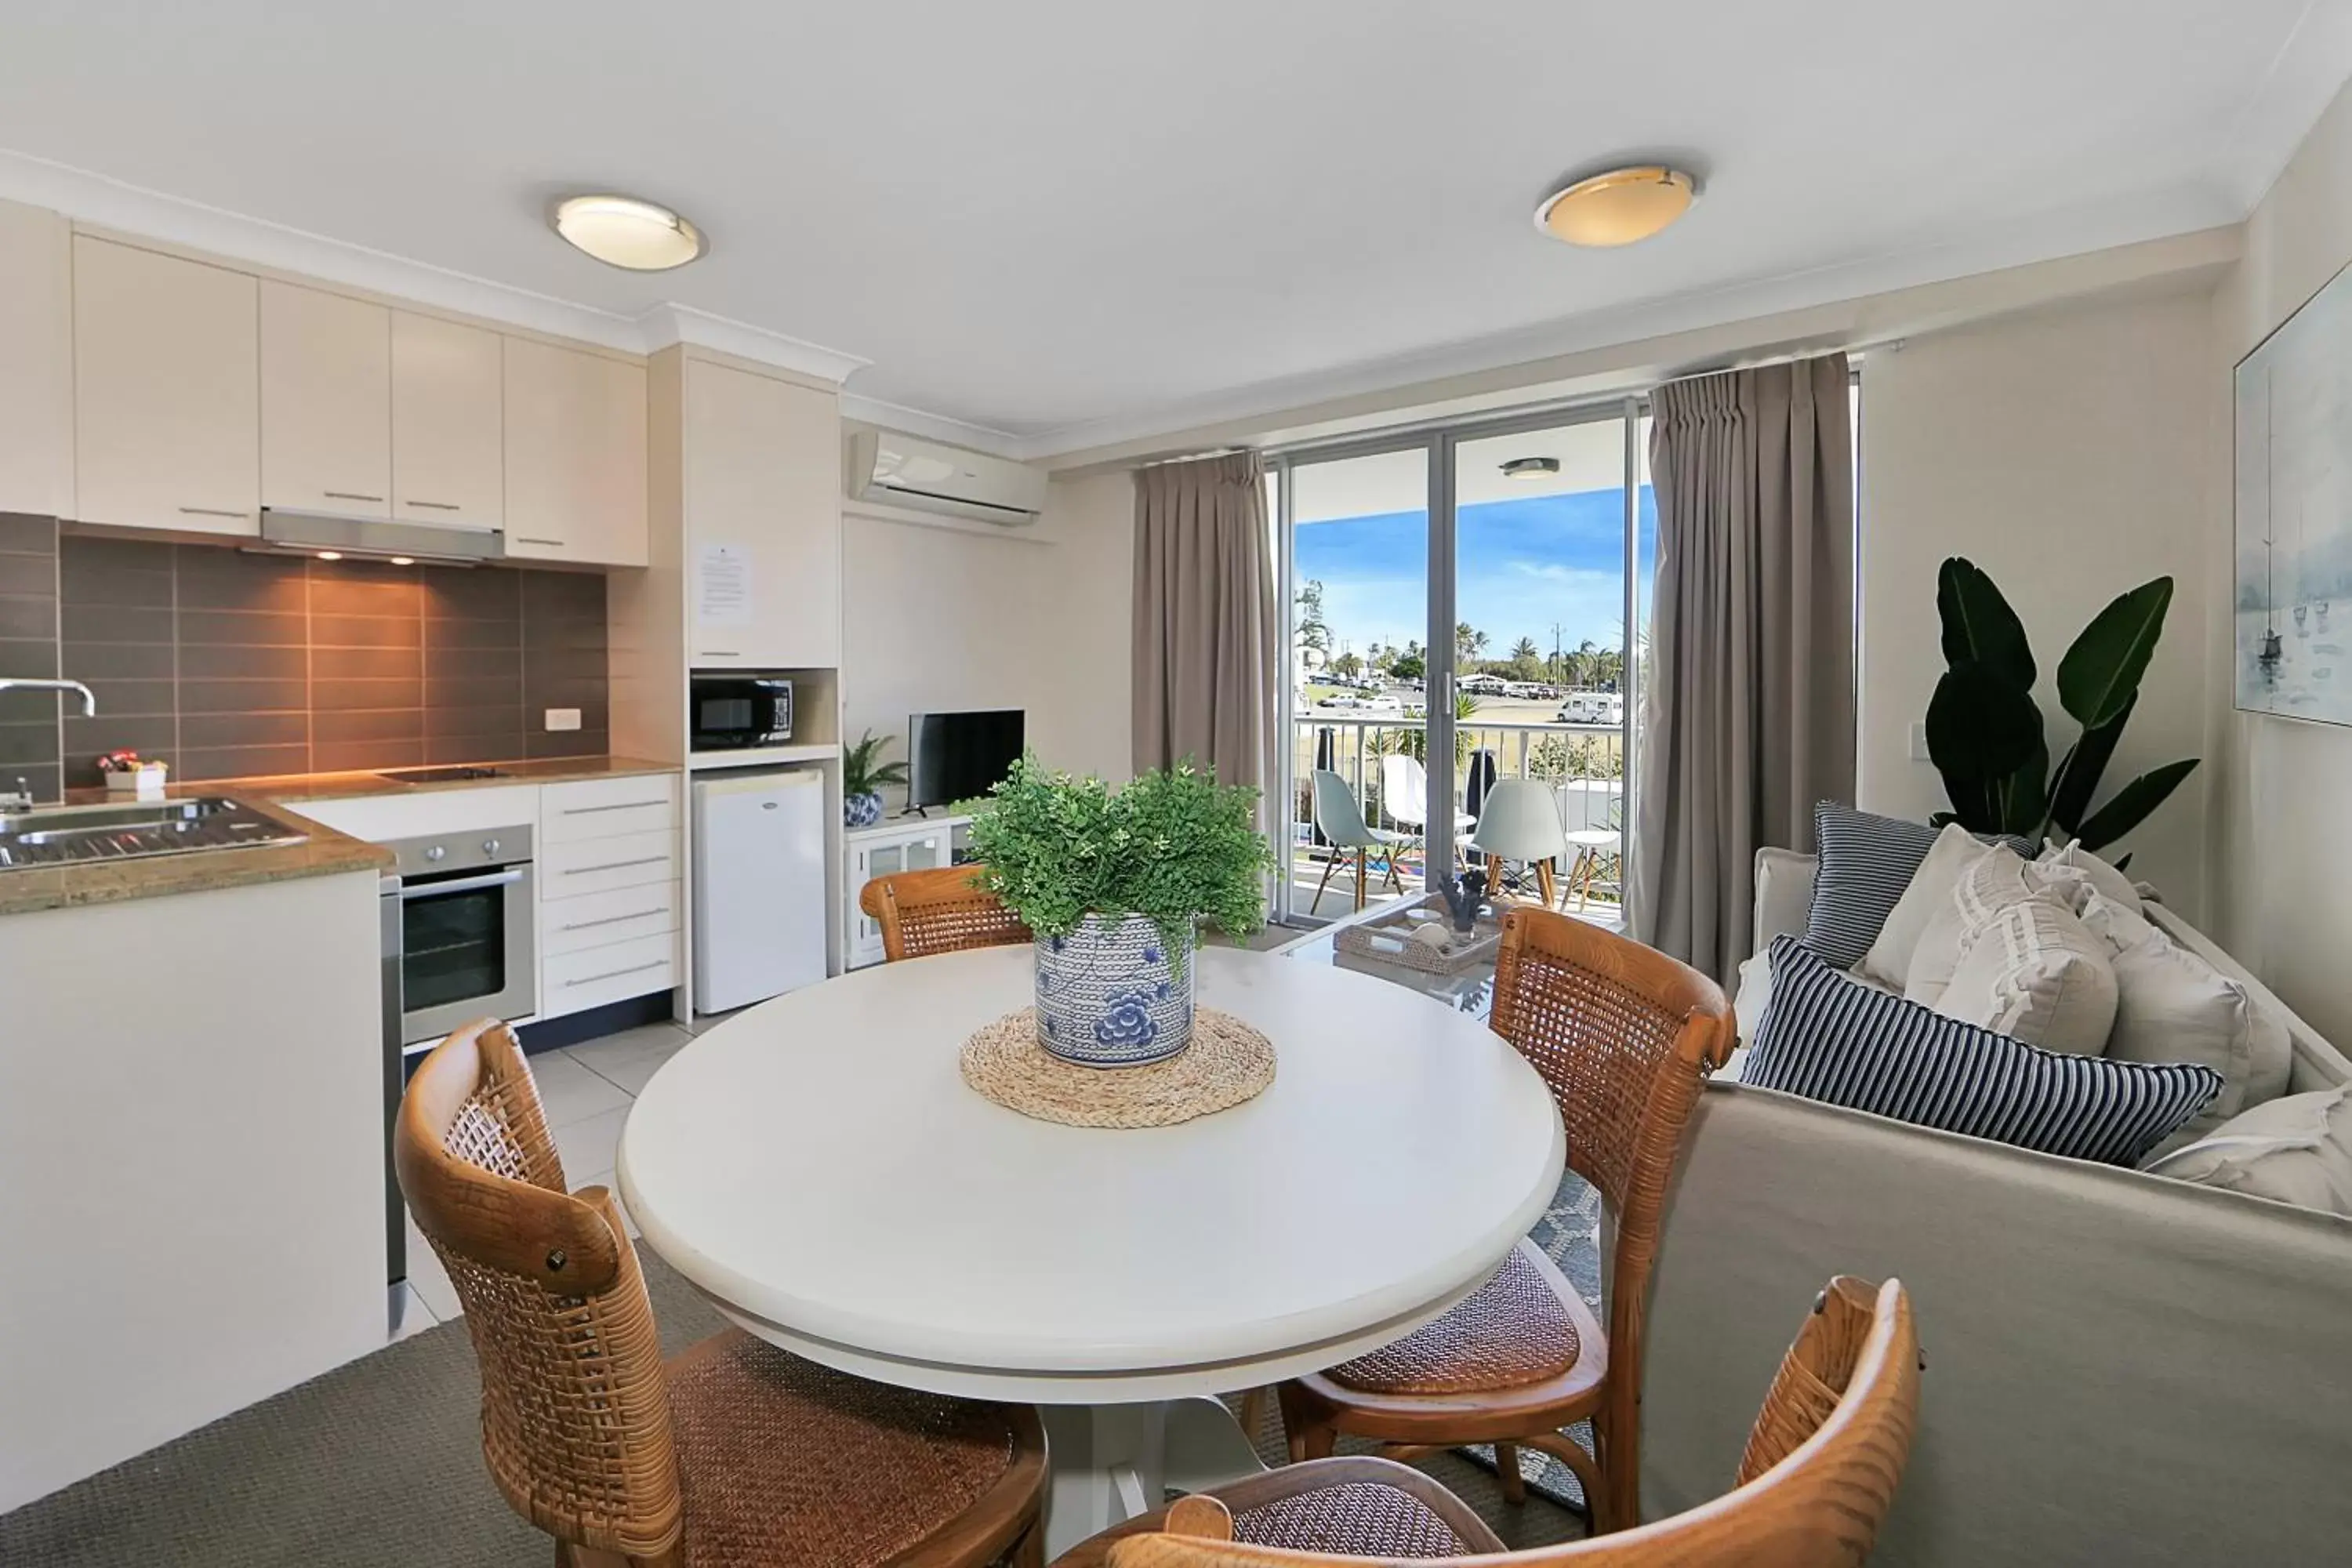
730	1455
1822	1464
943	910
1623	1035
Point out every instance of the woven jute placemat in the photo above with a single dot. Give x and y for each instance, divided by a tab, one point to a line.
1227	1063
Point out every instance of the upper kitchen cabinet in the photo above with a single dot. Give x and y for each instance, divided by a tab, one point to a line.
326	401
36	362
448	461
761	461
575	456
167	405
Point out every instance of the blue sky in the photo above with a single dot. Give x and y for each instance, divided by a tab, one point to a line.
1521	564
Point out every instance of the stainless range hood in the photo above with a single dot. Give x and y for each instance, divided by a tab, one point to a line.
308	532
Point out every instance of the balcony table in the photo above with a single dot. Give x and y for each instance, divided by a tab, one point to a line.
818	1167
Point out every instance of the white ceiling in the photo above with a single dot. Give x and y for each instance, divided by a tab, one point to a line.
1066	221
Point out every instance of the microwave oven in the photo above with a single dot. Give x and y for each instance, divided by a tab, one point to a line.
728	712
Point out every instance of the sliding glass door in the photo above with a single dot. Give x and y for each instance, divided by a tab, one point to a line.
1465	613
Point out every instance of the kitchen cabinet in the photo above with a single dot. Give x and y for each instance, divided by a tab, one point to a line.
762	461
609	925
37	350
448	461
167	406
326	401
575	456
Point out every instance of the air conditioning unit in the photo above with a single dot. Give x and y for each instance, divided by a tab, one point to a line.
926	475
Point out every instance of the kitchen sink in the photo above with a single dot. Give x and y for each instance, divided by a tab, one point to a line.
70	834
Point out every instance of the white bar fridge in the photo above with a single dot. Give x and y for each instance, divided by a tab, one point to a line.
759	887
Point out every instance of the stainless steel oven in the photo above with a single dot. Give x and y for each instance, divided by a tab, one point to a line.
466	930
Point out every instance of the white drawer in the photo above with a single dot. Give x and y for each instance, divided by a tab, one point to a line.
595	975
599	919
607	808
599	865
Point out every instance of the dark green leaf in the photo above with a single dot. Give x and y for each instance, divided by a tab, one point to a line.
2024	794
1978	625
2100	674
2124	864
2078	774
1978	726
2132	804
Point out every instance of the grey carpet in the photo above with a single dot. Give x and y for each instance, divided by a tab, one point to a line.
379	1463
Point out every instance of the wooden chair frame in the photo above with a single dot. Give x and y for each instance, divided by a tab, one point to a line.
1824	1458
576	1426
1626	1102
941	910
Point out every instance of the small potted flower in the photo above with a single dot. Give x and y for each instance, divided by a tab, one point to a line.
863	774
1114	884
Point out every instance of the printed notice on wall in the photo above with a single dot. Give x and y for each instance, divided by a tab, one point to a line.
722	586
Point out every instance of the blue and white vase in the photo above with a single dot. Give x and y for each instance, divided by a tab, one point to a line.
861	810
1110	994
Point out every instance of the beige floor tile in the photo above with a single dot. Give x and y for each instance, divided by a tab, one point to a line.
627	1061
588	1146
429	1279
570	1091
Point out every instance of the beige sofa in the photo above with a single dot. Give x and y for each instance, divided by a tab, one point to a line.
2121	1368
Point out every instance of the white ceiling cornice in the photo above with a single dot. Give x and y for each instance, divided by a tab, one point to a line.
2304	77
672	323
931	427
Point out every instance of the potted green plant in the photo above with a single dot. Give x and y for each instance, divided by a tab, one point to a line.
1114	883
863	774
1985	729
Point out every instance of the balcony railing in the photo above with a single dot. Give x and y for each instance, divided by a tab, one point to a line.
1584	763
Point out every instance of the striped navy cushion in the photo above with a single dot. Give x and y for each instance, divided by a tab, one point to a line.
1866	862
1834	1040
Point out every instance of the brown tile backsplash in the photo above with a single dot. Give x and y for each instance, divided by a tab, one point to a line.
229	664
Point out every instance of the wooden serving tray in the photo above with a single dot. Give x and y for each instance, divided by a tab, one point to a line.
1388	937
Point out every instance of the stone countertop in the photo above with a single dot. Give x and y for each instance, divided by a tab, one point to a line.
325	852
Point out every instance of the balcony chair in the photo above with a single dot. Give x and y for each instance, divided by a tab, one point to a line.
941	910
1823	1458
1404	795
1341	820
730	1455
1623	1035
1519	821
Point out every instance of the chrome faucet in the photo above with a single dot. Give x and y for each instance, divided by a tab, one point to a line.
26	683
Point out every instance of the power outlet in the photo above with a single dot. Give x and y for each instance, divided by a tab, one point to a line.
563	718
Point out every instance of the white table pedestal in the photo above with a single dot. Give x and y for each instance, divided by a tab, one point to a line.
1112	1462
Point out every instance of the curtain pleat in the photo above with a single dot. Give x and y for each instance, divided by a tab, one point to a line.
1747	694
1206	641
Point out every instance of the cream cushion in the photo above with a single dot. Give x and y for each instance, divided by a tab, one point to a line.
1989	884
2032	971
1889	962
2296	1149
2072	866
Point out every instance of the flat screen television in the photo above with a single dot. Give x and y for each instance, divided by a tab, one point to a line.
960	756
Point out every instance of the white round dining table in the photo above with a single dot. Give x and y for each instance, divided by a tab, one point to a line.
817	1168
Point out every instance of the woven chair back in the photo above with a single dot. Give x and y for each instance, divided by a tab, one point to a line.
575	1417
1819	1504
1624	1035
944	909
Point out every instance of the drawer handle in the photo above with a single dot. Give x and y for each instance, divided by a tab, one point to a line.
616	865
619	806
213	511
614	920
706	653
434	505
616	974
351	495
526	538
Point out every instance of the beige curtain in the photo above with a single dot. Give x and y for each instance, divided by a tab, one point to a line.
1747	694
1206	641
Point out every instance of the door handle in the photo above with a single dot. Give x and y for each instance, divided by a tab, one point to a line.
351	495
462	885
213	511
615	864
434	505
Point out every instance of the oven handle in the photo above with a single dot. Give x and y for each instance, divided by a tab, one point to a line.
462	885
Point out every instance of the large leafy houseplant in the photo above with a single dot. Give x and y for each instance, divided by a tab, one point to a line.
1172	846
1985	731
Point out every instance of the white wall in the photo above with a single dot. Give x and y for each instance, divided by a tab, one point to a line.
940	619
2066	452
2281	834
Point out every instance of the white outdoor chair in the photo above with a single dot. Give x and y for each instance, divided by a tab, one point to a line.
1341	820
1404	795
1518	821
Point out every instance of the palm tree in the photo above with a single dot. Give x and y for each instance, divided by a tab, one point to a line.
1467	641
1349	665
1525	650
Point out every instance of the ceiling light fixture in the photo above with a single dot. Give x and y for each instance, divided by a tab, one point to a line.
1531	468
331	555
1617	207
622	231
404	560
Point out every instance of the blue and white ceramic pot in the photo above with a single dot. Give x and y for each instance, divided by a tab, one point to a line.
861	810
1110	994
